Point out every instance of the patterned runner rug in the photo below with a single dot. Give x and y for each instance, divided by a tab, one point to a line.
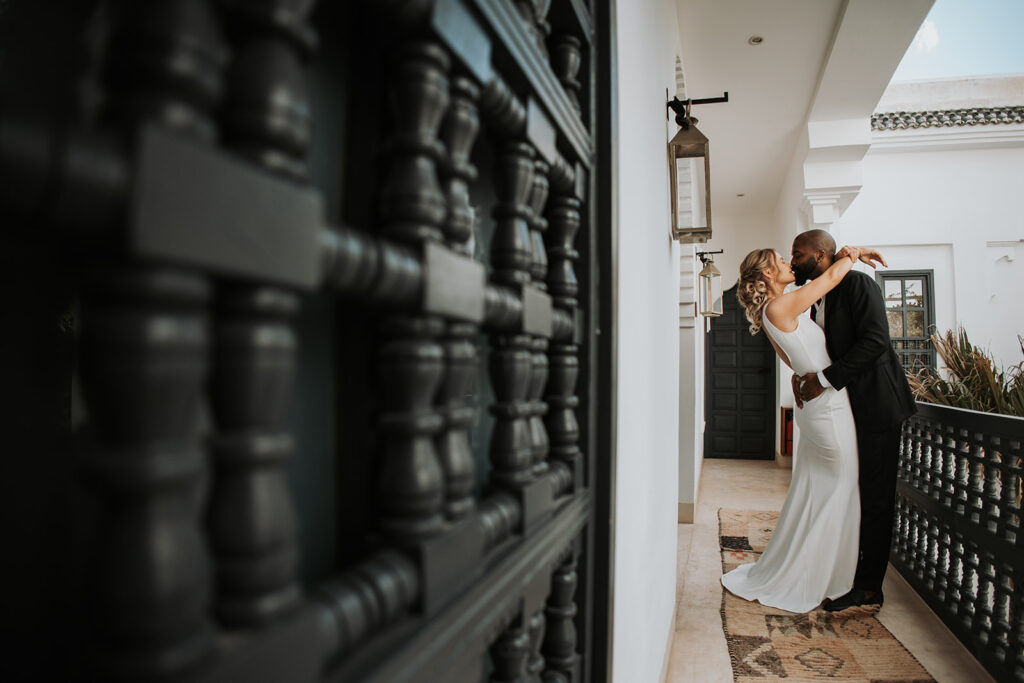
768	644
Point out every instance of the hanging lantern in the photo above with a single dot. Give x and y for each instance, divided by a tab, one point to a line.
710	281
689	174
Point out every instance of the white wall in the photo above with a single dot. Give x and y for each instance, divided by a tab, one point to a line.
647	328
691	383
936	210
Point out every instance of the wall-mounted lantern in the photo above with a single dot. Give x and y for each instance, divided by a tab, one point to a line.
690	174
710	285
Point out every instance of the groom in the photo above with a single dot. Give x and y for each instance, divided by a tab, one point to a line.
863	362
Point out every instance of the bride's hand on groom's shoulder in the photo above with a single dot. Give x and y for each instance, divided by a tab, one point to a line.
862	254
852	253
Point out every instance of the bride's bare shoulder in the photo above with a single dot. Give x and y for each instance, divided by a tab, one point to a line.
779	314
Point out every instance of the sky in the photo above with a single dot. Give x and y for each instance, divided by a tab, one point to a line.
966	38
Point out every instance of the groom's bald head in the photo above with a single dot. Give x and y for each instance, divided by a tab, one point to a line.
816	240
813	252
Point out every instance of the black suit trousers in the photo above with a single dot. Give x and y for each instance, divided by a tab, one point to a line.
879	464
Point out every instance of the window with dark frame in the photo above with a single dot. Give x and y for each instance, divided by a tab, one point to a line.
910	309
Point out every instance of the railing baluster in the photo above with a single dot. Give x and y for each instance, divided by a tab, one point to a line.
458	132
560	640
413	210
511	654
144	356
957	537
252	517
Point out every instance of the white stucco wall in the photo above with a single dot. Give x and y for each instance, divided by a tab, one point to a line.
647	327
937	210
691	386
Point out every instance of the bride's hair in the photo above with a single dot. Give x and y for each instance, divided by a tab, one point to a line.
752	288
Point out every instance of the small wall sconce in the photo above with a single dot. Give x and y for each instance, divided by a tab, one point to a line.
710	285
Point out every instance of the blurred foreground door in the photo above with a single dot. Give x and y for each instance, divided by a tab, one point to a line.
302	378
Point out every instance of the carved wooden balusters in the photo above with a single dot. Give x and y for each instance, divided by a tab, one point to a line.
511	450
536	627
566	60
411	477
538	408
534	14
143	357
511	358
499	515
165	66
559	647
266	114
564	222
367	597
251	517
538	224
538	273
143	363
413	210
412	204
956	528
512	247
505	114
454	451
458	132
562	426
511	655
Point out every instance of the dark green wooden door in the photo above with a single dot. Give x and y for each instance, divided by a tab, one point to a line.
739	388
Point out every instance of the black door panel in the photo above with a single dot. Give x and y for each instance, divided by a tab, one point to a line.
739	388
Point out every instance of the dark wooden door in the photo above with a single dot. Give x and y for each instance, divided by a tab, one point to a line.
306	371
739	390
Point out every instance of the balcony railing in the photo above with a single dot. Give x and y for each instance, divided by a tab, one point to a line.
958	528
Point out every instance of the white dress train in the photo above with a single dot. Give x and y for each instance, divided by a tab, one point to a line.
812	553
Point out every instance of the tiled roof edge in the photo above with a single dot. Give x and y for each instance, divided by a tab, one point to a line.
941	118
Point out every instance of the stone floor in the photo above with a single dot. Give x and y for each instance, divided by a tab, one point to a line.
699	653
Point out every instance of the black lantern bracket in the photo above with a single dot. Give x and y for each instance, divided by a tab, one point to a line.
682	107
705	256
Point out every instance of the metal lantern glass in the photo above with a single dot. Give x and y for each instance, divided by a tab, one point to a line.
710	290
690	182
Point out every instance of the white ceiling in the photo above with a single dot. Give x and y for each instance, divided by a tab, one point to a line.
770	87
820	61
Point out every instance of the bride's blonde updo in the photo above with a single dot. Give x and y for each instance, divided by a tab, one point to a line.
752	288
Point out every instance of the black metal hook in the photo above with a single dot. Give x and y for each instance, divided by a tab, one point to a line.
702	254
682	108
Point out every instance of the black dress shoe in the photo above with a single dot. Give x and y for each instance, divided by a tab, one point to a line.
858	597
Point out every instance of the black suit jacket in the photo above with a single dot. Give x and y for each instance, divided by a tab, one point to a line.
863	360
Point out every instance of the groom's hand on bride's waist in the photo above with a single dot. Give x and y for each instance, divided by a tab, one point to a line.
806	387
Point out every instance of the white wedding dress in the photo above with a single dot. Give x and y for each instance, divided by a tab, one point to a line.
813	552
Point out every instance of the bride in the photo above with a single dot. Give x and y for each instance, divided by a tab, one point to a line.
812	554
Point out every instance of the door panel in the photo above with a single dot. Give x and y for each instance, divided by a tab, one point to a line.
312	312
739	388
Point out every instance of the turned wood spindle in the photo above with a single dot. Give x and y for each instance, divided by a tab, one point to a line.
559	647
566	60
253	526
143	359
458	132
413	208
510	655
412	203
